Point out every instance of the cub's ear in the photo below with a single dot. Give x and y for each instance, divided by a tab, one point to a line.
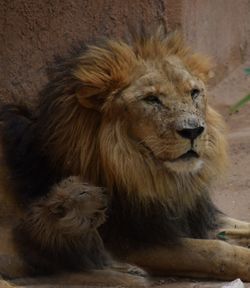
91	97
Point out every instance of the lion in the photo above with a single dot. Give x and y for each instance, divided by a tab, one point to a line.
116	163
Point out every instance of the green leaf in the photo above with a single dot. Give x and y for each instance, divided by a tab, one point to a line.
236	107
221	236
247	71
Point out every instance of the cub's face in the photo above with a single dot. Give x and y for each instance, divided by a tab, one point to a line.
165	108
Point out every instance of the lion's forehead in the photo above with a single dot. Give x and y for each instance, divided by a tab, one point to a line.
178	73
167	77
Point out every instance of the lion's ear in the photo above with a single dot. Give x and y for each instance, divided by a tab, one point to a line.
201	66
90	97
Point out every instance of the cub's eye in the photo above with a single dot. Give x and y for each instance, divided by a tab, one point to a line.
195	93
152	99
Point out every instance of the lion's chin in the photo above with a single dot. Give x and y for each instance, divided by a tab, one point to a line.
192	165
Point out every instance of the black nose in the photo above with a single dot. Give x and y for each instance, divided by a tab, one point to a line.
191	133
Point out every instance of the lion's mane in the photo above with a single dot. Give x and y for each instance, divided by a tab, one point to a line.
96	145
90	140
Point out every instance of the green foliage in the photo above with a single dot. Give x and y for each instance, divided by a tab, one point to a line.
236	107
247	71
222	236
242	102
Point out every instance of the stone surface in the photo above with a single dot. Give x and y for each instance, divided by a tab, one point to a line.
33	31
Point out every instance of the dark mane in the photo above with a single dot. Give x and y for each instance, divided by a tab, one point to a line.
63	138
30	171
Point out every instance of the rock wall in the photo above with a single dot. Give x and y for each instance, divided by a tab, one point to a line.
33	31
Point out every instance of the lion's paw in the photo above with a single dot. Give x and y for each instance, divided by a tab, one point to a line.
240	237
128	268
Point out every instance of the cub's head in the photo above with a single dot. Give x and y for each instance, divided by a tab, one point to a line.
140	111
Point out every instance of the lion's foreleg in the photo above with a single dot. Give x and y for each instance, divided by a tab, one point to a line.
231	223
196	258
234	231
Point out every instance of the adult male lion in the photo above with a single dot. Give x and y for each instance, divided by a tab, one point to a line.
132	118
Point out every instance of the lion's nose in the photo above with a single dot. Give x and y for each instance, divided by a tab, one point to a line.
191	133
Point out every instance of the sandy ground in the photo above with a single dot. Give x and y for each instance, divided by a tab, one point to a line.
233	197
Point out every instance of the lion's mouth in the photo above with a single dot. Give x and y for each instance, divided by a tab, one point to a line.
190	154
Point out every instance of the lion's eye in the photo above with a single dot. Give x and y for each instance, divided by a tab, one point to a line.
195	93
152	99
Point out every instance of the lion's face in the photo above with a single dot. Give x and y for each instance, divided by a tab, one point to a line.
138	120
165	108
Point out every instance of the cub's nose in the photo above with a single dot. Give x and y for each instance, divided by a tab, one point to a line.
191	133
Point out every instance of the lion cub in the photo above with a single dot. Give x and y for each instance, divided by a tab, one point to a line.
60	230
